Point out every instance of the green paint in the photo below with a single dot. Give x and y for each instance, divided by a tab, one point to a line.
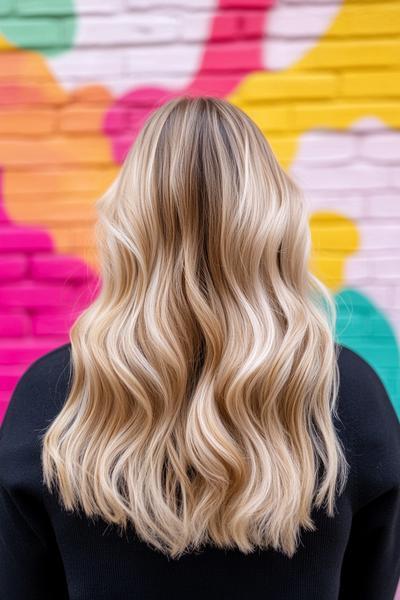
362	327
45	26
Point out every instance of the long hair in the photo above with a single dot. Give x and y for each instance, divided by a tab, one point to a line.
204	374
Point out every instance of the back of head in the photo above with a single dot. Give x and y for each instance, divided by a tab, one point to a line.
204	373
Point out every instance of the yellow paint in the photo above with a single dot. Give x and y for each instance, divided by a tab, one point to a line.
352	72
334	239
330	66
370	83
5	44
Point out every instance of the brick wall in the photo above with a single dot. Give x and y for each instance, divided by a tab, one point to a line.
320	77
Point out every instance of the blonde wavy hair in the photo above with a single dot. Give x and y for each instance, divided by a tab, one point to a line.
204	374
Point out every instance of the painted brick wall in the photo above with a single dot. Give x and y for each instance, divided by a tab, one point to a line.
320	77
322	80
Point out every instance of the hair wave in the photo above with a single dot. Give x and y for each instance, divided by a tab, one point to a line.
204	374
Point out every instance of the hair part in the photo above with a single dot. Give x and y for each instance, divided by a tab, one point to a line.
204	374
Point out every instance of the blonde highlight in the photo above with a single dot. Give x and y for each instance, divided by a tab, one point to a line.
205	377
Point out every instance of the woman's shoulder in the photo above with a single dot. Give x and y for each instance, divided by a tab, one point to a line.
361	390
39	388
365	412
35	401
371	424
353	365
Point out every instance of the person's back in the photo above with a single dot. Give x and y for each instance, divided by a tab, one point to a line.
202	434
48	553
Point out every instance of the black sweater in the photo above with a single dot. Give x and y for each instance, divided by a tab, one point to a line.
47	553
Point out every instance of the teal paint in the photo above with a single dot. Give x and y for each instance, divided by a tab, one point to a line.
47	27
362	327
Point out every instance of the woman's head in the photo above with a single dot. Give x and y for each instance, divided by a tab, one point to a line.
204	375
201	188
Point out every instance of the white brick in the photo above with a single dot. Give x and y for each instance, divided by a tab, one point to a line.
358	268
327	147
346	204
192	4
98	6
127	83
196	27
294	23
396	300
387	267
395	309
144	28
394	180
92	65
122	70
166	60
385	204
351	177
380	236
281	54
284	20
381	147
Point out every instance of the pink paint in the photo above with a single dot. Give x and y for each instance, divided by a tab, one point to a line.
42	291
52	322
25	351
13	266
41	294
223	66
9	376
56	267
14	237
3	405
14	323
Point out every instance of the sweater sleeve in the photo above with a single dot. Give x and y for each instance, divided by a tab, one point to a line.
371	566
30	562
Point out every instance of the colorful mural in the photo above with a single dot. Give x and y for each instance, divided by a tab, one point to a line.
77	79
